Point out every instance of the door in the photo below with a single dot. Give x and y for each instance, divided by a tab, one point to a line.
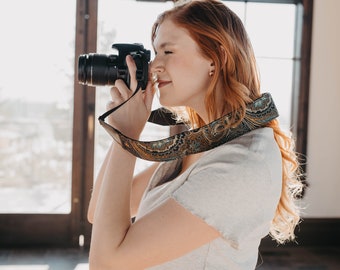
46	122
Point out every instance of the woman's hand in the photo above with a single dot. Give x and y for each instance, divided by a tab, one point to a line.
130	118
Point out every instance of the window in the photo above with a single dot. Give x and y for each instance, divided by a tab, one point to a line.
36	106
50	142
36	120
274	46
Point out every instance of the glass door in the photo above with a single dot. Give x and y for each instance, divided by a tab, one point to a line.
36	120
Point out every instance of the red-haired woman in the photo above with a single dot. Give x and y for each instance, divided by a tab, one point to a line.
207	209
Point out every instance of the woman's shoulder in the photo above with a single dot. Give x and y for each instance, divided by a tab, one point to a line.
257	146
234	183
255	153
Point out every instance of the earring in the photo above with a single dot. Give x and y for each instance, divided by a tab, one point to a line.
211	72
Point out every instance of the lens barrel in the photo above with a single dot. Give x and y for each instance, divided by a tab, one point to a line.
99	69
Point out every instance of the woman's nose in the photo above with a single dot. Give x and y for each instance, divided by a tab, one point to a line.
156	66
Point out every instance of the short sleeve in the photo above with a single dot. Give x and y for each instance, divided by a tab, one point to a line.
231	190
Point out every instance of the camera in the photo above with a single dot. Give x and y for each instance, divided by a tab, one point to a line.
101	69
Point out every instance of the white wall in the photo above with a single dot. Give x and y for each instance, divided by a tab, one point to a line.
323	153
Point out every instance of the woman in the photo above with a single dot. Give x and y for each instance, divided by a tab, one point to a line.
207	210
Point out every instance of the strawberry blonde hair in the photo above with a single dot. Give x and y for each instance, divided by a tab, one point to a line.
221	36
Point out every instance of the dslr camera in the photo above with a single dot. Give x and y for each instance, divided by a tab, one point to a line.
101	69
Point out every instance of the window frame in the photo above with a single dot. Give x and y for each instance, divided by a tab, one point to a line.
301	70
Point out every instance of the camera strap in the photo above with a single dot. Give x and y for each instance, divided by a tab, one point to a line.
258	114
160	116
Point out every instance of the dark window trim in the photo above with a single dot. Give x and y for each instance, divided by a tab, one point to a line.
301	131
84	120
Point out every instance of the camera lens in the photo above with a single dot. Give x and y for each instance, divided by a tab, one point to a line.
97	69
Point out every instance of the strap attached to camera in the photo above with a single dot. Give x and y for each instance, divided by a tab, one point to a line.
258	114
160	116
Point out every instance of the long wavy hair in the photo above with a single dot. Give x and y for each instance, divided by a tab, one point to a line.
221	36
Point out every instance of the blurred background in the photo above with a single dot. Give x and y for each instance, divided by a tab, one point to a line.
51	144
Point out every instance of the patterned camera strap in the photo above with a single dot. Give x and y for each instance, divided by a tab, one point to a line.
258	114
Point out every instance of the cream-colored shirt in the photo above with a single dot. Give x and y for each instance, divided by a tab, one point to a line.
235	188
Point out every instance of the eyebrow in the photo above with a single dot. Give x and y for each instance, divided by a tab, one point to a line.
164	44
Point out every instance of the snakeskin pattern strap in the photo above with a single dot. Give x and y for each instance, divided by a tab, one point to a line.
258	114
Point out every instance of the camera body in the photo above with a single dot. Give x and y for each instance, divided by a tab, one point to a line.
101	69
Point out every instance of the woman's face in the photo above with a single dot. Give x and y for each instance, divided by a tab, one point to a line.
182	71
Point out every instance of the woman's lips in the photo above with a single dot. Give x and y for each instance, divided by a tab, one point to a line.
163	83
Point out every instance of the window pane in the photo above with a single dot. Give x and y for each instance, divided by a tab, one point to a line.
277	78
36	105
125	21
271	28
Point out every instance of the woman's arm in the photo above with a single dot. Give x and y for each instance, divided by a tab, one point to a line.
139	184
165	233
97	186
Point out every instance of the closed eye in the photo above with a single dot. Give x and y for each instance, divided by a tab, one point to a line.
165	52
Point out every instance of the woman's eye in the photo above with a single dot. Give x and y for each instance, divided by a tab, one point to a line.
167	52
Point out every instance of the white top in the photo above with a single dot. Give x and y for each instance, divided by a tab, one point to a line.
234	188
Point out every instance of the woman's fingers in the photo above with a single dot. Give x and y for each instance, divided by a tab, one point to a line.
124	91
130	118
120	91
132	71
116	95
